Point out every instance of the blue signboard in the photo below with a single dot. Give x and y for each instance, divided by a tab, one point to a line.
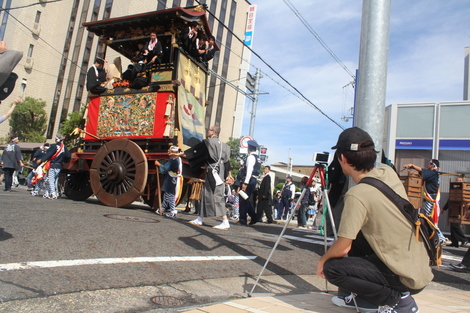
426	144
415	144
248	38
459	144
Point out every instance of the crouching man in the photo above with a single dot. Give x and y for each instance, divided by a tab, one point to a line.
386	265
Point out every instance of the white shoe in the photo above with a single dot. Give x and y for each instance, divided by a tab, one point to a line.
172	214
222	226
195	222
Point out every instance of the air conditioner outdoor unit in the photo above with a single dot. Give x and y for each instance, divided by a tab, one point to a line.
36	29
28	64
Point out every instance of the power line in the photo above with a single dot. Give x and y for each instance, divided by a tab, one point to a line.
272	69
315	34
29	29
29	5
226	27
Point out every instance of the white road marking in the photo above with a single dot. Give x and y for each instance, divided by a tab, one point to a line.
318	242
62	263
451	258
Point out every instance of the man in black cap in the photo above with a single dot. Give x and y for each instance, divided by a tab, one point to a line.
287	194
251	170
395	265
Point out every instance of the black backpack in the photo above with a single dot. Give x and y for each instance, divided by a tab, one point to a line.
311	196
423	225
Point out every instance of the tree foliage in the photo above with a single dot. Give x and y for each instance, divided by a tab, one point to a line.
29	120
75	120
235	156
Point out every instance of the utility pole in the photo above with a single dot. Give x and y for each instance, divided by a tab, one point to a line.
372	77
255	92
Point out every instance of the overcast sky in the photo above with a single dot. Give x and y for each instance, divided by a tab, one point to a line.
426	58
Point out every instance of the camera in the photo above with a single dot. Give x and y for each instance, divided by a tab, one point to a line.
321	157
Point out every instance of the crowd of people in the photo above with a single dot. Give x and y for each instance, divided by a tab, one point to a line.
248	198
45	167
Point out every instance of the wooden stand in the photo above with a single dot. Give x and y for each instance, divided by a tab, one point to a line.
459	200
413	185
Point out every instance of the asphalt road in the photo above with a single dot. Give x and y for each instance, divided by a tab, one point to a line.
34	229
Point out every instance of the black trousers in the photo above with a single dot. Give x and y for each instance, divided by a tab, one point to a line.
246	206
8	177
456	234
266	208
368	277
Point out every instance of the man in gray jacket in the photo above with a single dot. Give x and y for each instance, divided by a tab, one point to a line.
10	160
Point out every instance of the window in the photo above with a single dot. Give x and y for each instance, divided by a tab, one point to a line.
415	121
38	17
454	121
30	51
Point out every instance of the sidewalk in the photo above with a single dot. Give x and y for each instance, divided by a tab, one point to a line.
429	301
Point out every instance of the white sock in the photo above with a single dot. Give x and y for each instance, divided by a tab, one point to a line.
225	223
199	219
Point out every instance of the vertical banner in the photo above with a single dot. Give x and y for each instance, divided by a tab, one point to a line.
191	97
250	25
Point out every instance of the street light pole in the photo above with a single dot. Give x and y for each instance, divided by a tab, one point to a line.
258	76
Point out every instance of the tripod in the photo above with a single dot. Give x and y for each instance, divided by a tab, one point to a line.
320	169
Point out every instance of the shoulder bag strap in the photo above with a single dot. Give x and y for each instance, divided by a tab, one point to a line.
390	194
220	157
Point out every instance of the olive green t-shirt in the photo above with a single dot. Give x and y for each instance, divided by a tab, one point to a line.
386	229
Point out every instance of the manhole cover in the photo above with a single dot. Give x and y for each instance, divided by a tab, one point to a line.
167	301
132	218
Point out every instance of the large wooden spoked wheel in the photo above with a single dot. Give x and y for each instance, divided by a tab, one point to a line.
118	173
77	186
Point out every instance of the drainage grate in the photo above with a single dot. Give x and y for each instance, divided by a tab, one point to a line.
132	218
166	301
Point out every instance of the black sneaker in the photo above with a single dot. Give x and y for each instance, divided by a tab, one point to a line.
353	301
407	304
460	267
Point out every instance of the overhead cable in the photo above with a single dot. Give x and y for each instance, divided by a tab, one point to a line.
314	33
28	5
272	69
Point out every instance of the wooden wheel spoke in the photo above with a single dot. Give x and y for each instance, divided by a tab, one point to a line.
107	161
112	156
129	182
131	170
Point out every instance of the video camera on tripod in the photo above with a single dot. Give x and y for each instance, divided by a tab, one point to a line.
321	157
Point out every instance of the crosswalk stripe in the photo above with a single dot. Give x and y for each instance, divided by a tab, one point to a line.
62	263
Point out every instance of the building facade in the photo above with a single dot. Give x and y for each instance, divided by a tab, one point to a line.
58	51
